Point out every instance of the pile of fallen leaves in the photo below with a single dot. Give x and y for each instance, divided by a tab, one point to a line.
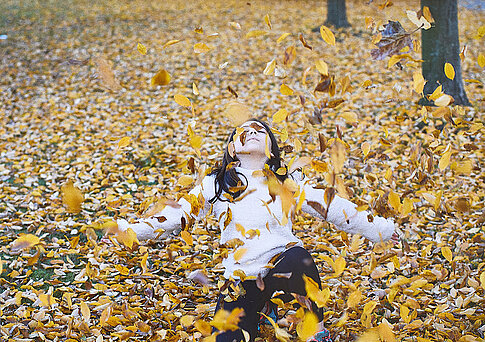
108	107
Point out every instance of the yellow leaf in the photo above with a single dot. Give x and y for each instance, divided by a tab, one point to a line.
407	206
308	326
106	74
404	313
23	242
285	90
125	141
122	269
187	320
372	335
127	238
320	297
203	327
187	237
85	311
394	201
105	315
141	48
482	280
280	115
385	332
436	93
337	155
267	21
182	100
354	298
339	266
282	37
365	147
72	197
327	35
449	71
255	33
266	148
481	60
170	42
369	307
445	159
239	254
349	117
201	48
144	263
162	77
47	299
322	67
235	25
427	14
443	100
195	90
418	82
237	112
270	66
446	251
185	180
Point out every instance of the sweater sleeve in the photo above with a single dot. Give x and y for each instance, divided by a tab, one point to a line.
344	215
192	206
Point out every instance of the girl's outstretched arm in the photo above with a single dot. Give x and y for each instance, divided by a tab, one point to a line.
170	219
345	216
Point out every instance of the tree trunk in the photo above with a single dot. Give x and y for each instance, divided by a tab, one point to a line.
337	13
440	44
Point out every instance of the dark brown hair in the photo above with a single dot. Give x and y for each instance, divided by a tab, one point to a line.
226	176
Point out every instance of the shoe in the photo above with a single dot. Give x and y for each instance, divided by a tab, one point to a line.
321	336
270	309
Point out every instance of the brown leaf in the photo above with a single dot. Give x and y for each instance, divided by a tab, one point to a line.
394	38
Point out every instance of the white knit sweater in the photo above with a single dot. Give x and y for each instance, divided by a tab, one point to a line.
256	211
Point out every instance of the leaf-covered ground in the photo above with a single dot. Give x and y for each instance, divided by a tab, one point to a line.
78	109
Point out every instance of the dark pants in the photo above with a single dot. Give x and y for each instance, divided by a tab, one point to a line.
296	261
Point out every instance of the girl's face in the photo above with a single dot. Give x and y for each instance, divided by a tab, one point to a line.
252	138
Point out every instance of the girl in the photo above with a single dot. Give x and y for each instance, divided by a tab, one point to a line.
254	198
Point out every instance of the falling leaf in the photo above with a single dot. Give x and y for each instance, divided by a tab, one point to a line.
339	266
170	42
235	25
285	90
182	100
449	71
238	113
267	21
270	66
187	237
239	254
255	33
394	39
280	115
308	326
322	67
124	142
195	90
354	298
447	253
481	60
327	35
305	44
141	48
85	311
282	37
72	197
24	241
106	74
162	77
201	48
418	82
443	100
